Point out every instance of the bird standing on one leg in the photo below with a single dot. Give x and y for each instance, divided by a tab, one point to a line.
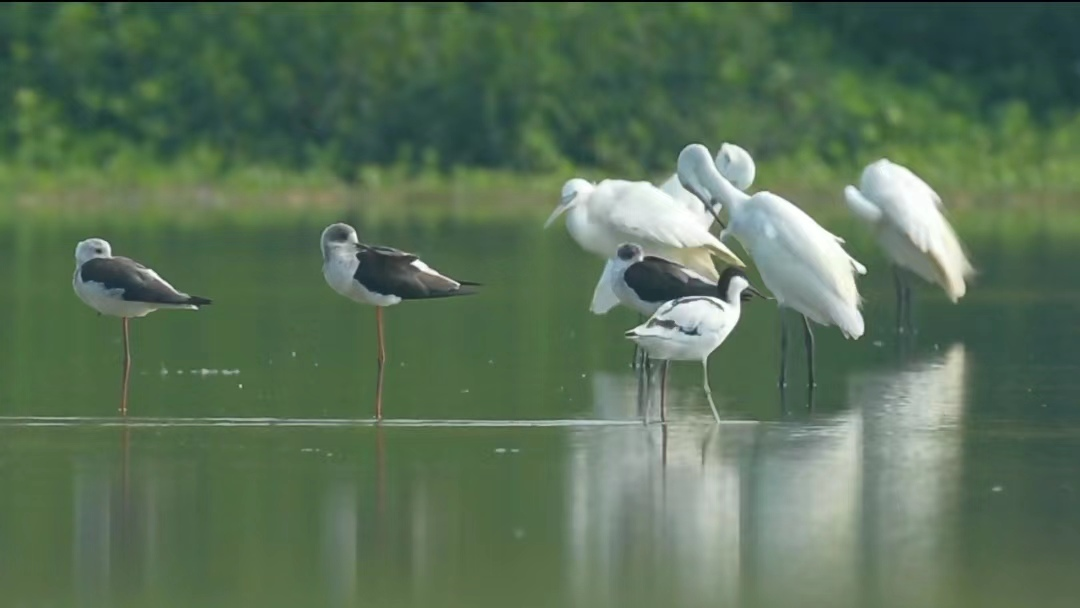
121	287
381	276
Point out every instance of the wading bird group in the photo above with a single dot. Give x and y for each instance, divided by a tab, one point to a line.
659	252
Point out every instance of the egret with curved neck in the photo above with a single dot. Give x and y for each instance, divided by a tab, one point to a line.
734	163
801	263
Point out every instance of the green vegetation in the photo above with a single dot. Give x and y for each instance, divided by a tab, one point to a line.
260	105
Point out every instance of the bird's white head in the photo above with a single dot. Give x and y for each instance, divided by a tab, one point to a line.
92	248
736	164
573	192
697	173
336	237
627	254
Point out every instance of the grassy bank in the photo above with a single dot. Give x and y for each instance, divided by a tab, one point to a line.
186	191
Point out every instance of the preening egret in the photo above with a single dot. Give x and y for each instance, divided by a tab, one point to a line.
733	162
906	216
603	216
801	263
381	276
691	328
121	287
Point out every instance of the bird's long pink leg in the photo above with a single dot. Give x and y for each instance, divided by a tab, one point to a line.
127	370
382	360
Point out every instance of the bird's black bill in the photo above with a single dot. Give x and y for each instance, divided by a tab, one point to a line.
752	291
712	210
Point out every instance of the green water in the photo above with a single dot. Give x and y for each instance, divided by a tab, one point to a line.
945	472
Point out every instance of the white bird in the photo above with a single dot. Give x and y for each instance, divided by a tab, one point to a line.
907	217
603	216
381	276
801	263
734	163
691	328
121	287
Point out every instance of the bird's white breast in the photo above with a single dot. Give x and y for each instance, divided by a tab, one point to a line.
108	301
339	272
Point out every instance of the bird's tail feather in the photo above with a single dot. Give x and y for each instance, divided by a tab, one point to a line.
698	259
198	301
728	256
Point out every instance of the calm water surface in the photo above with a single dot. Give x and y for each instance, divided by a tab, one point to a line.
944	471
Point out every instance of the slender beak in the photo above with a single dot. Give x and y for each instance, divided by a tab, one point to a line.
564	204
711	208
754	292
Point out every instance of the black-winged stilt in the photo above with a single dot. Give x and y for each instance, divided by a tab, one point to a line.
381	276
121	287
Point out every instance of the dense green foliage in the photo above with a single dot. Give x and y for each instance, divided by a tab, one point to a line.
538	86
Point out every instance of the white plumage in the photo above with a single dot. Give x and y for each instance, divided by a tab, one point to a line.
686	329
734	163
602	216
802	264
906	216
691	328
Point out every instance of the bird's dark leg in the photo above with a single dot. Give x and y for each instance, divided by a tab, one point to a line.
809	349
898	280
639	353
663	391
907	308
127	370
783	350
382	362
642	401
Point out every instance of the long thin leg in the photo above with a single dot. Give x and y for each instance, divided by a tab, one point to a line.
639	353
898	280
646	391
382	361
809	349
907	308
641	409
127	370
783	350
663	391
708	391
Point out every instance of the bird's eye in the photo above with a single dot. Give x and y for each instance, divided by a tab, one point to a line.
98	251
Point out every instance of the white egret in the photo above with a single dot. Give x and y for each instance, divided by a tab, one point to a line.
733	162
121	287
801	263
691	328
906	216
381	276
600	217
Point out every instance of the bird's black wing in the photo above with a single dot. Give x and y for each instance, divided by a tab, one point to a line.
389	271
136	282
655	279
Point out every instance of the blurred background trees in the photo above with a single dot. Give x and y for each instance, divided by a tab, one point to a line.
535	86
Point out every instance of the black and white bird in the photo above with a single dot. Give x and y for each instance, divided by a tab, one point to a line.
381	276
691	328
121	287
643	283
